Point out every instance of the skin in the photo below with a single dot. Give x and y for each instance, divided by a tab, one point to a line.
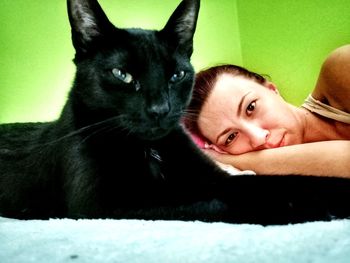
256	127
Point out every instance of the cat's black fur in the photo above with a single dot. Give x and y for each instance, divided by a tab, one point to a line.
118	149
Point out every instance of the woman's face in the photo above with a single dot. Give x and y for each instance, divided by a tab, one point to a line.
241	115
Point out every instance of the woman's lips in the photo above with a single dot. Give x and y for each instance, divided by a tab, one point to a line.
278	144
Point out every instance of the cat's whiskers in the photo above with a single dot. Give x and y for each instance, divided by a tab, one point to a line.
193	115
106	129
81	130
99	131
190	115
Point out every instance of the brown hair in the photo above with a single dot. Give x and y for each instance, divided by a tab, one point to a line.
204	83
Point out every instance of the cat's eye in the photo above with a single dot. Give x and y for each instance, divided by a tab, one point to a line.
122	75
251	107
177	76
230	138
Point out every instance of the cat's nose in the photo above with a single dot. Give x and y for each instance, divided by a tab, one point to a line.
158	111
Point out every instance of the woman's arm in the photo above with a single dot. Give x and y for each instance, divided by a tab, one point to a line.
327	158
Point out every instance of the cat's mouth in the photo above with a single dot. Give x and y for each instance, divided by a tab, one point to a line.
154	133
152	129
151	133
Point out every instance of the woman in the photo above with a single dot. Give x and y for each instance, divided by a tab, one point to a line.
249	125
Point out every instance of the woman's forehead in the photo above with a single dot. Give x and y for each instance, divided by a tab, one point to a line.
220	104
228	82
223	101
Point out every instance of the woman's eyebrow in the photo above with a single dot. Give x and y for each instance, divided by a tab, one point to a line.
241	103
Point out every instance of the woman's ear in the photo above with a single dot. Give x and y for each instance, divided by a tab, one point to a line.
271	86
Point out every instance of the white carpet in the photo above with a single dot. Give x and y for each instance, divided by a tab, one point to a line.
128	241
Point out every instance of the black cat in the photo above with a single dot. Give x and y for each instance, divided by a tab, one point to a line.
118	149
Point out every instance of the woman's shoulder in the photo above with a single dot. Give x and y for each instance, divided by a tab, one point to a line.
333	85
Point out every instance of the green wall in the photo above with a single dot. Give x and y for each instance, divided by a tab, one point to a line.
289	39
36	59
285	39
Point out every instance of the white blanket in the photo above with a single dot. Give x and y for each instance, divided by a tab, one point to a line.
128	241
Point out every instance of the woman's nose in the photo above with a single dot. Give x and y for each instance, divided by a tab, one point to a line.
258	136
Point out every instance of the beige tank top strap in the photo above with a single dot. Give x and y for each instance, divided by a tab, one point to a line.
325	110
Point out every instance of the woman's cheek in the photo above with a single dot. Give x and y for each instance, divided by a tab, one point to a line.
239	147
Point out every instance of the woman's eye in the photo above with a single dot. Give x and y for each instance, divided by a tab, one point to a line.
230	138
177	76
251	107
122	75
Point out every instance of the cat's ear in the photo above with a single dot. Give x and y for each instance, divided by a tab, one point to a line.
88	22
181	25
